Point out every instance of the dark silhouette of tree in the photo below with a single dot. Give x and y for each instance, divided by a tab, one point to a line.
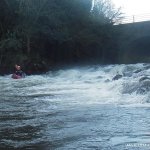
57	31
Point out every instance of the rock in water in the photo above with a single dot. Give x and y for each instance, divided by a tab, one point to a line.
144	87
144	78
118	76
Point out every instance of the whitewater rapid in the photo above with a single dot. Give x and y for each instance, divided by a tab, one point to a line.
76	108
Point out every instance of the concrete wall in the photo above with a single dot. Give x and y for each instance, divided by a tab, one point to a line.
134	43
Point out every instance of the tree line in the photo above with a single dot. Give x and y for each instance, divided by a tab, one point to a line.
41	33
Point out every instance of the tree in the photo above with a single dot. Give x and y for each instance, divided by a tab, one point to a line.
29	13
105	11
57	30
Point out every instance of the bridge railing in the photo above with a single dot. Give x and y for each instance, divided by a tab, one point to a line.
134	18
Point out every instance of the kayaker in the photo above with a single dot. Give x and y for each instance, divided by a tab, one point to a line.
18	73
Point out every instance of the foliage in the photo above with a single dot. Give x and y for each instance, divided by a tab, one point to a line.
106	12
57	31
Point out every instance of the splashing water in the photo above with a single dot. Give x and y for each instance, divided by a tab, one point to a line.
78	108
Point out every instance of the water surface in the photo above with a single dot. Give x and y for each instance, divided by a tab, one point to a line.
78	108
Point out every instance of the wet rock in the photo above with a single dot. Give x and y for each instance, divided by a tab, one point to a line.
88	82
118	76
107	80
127	74
138	87
137	71
144	78
129	88
147	67
99	77
36	67
144	87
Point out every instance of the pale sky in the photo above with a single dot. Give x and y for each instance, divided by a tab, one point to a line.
133	7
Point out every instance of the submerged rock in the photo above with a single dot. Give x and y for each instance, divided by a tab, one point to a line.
129	88
144	78
118	76
107	80
137	71
147	66
144	87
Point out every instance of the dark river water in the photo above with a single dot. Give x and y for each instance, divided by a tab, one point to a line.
83	108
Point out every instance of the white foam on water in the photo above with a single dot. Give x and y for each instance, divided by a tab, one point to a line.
68	105
86	85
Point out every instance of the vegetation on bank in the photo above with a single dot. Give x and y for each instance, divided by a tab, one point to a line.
41	33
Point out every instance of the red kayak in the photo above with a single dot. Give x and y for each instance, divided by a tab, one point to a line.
14	76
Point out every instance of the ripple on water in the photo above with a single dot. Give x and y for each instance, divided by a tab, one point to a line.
76	109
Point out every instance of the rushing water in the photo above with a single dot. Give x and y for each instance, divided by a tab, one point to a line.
79	108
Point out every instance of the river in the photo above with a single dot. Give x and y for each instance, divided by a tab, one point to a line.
80	108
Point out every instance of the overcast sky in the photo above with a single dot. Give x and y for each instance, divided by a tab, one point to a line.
133	7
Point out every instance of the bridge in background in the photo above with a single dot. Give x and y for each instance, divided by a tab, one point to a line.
135	40
134	18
